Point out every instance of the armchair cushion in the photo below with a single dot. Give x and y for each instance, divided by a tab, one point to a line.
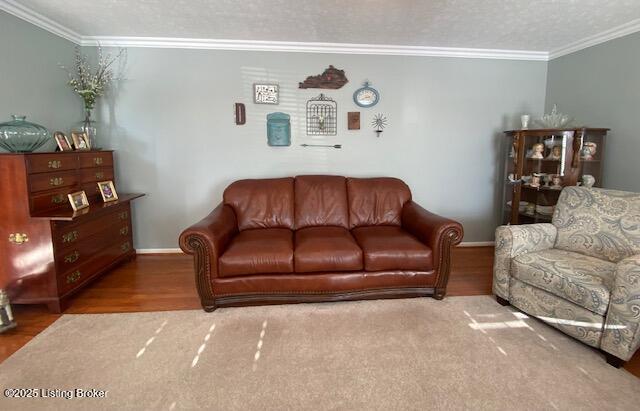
392	248
326	249
513	240
601	223
259	251
578	278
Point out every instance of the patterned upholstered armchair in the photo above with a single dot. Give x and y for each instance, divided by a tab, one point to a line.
581	273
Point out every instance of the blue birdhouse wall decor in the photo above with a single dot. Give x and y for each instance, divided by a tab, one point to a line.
278	129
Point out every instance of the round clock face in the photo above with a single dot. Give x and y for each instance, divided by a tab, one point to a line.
366	97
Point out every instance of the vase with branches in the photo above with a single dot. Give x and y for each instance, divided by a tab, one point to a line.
90	84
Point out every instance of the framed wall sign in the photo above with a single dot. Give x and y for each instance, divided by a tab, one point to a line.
266	93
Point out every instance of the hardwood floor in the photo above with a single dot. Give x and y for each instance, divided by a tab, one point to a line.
166	282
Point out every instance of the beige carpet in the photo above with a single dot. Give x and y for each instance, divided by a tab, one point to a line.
460	353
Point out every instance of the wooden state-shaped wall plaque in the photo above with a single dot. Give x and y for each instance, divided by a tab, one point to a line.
331	78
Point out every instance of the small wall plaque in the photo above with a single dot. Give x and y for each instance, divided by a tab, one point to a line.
266	93
278	129
353	120
241	116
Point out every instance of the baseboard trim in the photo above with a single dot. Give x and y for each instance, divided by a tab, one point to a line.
477	244
179	251
159	251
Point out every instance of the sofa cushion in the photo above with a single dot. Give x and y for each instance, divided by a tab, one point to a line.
578	278
326	249
321	201
601	223
376	201
263	203
260	251
392	248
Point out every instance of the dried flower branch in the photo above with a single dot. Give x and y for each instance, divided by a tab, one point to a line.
88	84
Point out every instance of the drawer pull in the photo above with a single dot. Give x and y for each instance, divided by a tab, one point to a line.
125	247
123	215
72	258
99	175
57	199
55	164
97	161
73	277
18	238
124	230
70	237
57	181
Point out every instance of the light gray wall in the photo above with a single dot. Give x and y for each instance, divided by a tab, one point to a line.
171	122
600	87
31	83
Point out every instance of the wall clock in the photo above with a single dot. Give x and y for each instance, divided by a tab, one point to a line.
366	96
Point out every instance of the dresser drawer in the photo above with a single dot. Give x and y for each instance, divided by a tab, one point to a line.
50	181
82	251
97	159
42	163
53	199
77	276
88	175
68	235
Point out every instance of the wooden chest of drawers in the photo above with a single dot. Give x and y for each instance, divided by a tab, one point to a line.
48	251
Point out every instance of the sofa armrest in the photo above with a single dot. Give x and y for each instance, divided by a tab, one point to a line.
439	233
513	240
622	327
206	241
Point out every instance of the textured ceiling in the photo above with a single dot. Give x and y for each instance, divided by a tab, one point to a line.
536	25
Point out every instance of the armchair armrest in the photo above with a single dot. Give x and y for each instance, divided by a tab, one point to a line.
513	240
206	241
622	327
439	233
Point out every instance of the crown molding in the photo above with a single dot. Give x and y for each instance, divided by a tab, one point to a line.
614	33
37	19
309	47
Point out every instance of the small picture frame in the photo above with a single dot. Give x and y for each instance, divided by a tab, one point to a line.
62	141
266	93
78	200
108	191
80	140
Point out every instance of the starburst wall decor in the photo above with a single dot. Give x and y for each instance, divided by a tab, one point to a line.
379	123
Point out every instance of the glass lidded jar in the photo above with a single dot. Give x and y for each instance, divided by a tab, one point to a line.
21	136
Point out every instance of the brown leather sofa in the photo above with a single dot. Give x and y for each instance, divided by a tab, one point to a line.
319	238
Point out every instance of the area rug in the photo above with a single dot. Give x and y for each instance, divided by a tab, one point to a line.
412	354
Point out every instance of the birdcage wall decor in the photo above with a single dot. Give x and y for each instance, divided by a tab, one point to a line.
322	119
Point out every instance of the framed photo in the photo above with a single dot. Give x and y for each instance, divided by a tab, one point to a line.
62	141
266	93
108	191
78	200
80	140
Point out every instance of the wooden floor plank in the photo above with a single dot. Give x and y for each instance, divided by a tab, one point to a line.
166	282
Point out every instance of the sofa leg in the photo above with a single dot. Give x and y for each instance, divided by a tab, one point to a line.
439	293
614	361
502	301
209	307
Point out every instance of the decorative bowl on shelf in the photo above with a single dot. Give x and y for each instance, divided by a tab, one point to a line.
21	136
554	119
